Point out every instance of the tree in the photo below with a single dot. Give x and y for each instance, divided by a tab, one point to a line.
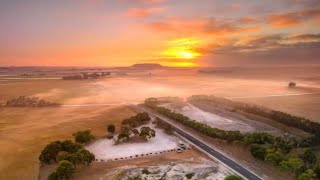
295	165
53	176
189	175
70	146
275	158
147	133
308	175
316	167
65	169
85	156
309	157
122	137
111	128
135	132
274	155
83	136
124	134
233	136
258	138
50	152
232	177
73	158
62	155
258	151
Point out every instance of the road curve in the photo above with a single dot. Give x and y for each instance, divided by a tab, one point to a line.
226	160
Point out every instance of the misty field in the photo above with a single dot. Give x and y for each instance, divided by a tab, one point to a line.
135	86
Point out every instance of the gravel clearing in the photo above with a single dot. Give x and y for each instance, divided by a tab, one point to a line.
105	148
215	120
181	171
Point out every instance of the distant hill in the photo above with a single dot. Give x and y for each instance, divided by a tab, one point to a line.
147	66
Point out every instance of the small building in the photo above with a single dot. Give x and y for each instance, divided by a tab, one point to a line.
292	84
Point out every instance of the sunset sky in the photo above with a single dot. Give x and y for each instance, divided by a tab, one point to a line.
169	32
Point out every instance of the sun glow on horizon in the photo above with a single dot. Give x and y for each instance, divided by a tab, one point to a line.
184	48
185	64
180	53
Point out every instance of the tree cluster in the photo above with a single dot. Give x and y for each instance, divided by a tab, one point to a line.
137	120
129	128
67	154
24	101
85	75
72	77
65	150
127	132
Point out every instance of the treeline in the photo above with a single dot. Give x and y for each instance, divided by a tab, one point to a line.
68	155
24	101
282	117
86	76
263	146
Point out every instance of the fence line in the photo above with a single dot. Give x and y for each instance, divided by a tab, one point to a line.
141	155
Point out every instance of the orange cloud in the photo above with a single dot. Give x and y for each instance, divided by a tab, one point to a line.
178	26
283	20
142	12
292	18
305	37
248	20
217	27
201	26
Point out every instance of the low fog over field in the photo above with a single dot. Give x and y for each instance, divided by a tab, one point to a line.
134	85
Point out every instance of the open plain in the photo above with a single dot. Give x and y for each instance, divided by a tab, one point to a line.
92	104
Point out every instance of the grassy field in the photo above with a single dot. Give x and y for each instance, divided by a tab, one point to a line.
25	131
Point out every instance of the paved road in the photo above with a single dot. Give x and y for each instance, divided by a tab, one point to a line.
227	161
274	95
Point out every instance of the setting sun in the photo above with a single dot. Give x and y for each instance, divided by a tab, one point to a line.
180	54
182	49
